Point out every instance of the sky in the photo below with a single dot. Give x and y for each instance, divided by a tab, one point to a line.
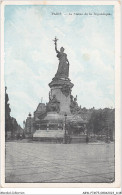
30	57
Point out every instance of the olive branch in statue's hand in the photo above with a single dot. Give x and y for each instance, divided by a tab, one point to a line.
55	41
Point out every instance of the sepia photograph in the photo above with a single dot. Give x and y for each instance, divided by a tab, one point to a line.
59	89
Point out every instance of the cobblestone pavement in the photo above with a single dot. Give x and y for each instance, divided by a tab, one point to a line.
59	163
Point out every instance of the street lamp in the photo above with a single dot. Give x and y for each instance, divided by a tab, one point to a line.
65	140
39	126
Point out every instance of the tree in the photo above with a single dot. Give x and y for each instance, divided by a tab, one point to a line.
11	124
102	121
8	121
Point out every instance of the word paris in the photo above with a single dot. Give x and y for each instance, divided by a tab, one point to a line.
80	14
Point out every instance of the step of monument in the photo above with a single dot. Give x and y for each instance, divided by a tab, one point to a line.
78	140
50	133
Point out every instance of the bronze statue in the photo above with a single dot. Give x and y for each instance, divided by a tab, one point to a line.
63	67
53	105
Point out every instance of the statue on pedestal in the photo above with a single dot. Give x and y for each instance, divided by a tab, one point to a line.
74	108
53	105
63	67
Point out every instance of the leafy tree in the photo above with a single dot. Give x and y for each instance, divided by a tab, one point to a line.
8	121
102	121
11	124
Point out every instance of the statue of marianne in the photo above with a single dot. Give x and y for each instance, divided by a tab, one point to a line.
63	67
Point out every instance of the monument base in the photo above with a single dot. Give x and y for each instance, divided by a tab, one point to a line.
49	135
78	139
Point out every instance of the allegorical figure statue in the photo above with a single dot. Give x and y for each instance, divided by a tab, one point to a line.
53	105
63	67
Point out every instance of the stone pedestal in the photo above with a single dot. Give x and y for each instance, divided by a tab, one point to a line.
61	89
52	126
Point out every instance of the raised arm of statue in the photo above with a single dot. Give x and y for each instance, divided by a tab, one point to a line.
55	42
56	47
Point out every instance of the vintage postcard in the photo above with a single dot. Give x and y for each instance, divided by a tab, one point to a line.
60	93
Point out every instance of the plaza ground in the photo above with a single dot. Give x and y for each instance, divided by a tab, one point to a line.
59	163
